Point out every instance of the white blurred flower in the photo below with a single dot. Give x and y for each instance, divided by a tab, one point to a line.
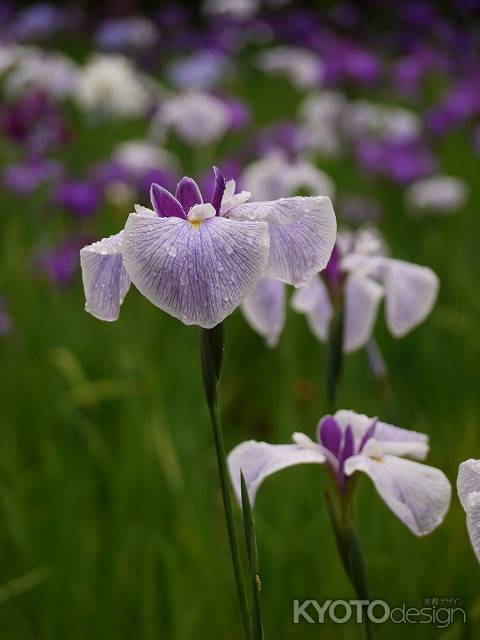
234	8
363	118
438	194
139	156
198	118
53	73
110	85
275	176
302	67
321	116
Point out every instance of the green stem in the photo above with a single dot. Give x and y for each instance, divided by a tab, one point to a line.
334	356
212	345
350	551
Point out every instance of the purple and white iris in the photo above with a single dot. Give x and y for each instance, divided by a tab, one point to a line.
360	268
198	260
468	487
419	495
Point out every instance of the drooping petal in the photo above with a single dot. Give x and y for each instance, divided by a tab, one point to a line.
410	293
197	272
258	460
105	279
417	494
468	487
302	234
468	480
401	441
313	300
264	309
362	298
188	194
164	204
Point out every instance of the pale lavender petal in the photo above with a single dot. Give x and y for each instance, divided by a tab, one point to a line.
105	279
197	272
264	309
258	460
417	494
302	234
188	194
468	480
473	522
410	293
313	300
403	441
164	204
362	299
468	487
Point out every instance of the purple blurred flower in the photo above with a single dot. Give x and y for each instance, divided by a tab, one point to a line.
127	34
38	22
34	122
60	263
197	261
461	104
419	495
402	162
80	198
27	178
201	70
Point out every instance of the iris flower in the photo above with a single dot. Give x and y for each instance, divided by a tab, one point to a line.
348	442
198	260
468	487
360	268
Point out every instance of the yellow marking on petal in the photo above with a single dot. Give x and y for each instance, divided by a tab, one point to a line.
195	223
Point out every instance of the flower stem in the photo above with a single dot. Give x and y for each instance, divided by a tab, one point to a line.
334	357
350	550
212	345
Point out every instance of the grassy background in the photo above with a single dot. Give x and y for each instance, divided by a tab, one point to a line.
111	523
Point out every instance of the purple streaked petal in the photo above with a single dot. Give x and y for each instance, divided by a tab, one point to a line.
329	434
264	309
105	279
313	300
347	451
362	299
369	433
302	234
258	460
417	494
403	441
198	273
410	293
188	194
218	191
164	204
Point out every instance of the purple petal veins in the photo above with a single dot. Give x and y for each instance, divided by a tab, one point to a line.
218	191
330	434
188	194
164	204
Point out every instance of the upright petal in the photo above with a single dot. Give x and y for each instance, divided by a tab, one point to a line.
362	298
264	309
105	279
473	522
188	194
302	234
417	494
392	439
410	293
313	300
258	460
197	272
164	204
